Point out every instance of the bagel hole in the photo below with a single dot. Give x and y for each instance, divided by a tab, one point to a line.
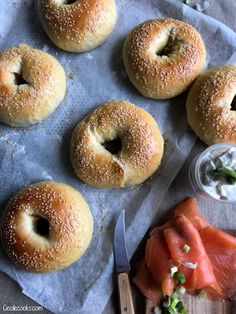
19	80
166	48
113	146
233	104
41	226
165	51
173	43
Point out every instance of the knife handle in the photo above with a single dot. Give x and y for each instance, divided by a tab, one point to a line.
125	294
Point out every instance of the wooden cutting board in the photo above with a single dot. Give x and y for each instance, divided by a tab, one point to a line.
196	305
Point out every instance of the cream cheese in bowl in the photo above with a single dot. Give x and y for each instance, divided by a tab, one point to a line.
213	173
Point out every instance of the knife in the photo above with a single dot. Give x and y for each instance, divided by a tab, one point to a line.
122	267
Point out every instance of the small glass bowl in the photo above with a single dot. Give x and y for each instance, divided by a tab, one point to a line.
194	171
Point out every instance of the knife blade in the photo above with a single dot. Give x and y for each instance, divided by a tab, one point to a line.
122	266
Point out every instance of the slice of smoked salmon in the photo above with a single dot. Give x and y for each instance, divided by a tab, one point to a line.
189	208
146	284
221	250
157	259
181	233
213	250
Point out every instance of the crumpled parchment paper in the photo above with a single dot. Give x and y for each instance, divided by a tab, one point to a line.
42	151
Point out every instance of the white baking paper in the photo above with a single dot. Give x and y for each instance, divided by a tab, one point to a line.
42	151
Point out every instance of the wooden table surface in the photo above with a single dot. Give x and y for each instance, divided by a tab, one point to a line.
10	293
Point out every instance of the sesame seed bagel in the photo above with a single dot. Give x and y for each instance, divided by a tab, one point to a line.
118	144
211	107
77	26
32	85
162	57
46	227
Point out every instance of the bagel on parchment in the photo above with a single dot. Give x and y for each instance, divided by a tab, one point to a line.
118	144
46	227
211	106
32	85
77	26
162	57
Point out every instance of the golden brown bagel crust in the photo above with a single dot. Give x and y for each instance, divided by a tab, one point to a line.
209	109
70	227
79	26
163	57
38	97
139	157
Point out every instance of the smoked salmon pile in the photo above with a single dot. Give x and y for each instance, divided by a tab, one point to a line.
205	255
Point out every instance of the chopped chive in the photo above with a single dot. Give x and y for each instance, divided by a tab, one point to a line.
180	290
186	248
231	180
202	294
179	305
173	270
174	302
174	295
183	310
169	310
179	277
229	171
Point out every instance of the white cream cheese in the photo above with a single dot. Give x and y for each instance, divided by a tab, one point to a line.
214	182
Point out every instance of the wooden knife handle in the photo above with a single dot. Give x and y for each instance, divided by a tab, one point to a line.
125	294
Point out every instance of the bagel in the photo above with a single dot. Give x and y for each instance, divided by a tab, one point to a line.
211	106
32	85
77	26
118	144
46	227
162	57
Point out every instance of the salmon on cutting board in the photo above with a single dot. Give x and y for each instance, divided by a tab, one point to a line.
212	250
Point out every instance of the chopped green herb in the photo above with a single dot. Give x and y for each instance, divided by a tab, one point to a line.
179	305
202	294
183	310
174	302
179	277
228	173
180	290
186	248
231	180
174	295
169	310
173	270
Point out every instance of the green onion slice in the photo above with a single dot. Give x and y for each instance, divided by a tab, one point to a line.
183	310
186	248
202	294
173	270
179	277
180	290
